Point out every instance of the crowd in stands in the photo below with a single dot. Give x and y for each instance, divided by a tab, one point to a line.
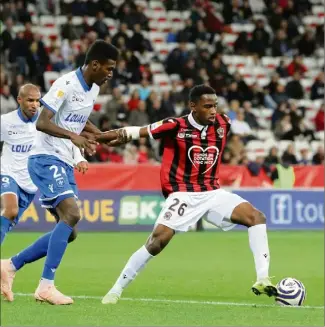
265	59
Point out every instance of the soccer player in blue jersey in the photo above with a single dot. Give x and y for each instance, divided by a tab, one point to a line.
66	108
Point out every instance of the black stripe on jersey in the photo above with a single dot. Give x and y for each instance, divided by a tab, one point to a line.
173	168
188	163
202	169
214	168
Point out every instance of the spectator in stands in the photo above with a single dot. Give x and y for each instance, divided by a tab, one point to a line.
282	69
28	33
283	126
69	30
122	33
304	157
18	82
280	94
318	158
22	13
250	118
307	44
234	93
240	127
154	111
146	73
130	154
271	87
276	18
320	35
137	16
132	66
133	103
294	89
319	119
317	89
9	11
114	105
200	33
139	117
255	95
236	148
242	44
273	156
121	75
40	60
7	35
176	59
167	106
100	26
233	13
172	36
260	33
81	56
56	60
296	65
8	102
202	77
138	42
289	156
281	46
187	34
144	89
189	70
19	53
84	28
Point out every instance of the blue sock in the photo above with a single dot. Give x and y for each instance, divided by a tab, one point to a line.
5	227
57	245
34	252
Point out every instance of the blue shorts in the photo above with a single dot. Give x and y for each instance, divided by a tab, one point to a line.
10	186
54	179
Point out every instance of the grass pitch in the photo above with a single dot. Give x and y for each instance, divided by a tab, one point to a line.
200	279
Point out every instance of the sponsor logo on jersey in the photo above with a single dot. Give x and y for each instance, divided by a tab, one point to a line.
184	135
76	118
59	94
156	125
204	157
21	148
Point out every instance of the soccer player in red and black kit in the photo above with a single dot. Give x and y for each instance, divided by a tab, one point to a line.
193	147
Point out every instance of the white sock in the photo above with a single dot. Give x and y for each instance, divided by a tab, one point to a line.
136	263
259	245
45	282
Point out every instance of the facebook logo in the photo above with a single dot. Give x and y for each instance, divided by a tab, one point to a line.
281	209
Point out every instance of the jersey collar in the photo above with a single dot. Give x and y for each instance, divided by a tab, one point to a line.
26	120
194	123
81	79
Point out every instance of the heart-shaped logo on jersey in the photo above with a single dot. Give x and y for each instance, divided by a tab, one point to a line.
203	157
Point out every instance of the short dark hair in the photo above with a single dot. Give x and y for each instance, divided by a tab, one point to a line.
197	91
101	50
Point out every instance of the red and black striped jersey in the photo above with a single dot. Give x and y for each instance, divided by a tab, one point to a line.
192	153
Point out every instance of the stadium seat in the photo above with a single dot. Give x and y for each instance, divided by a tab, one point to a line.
47	20
256	148
49	78
315	145
156	5
283	145
306	83
318	10
238	28
264	134
320	135
174	16
157	67
161	79
271	62
306	103
312	21
157	37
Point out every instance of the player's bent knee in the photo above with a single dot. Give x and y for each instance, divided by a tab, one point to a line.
10	213
256	218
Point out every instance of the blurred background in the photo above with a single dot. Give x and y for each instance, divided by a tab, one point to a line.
265	59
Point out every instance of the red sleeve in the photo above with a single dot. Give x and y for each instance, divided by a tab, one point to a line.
227	121
163	128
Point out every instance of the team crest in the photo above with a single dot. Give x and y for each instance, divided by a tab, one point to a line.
60	181
181	135
221	132
167	215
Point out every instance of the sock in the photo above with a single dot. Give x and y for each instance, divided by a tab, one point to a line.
135	264
57	244
34	252
259	245
45	282
5	227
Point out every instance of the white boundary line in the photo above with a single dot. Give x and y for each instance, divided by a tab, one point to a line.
235	304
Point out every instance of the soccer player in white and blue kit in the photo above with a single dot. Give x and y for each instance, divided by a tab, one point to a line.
66	108
18	129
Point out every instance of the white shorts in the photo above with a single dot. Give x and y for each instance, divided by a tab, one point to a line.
183	209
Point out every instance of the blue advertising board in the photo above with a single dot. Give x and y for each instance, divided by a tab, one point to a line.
138	210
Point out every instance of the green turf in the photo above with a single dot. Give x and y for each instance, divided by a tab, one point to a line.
208	266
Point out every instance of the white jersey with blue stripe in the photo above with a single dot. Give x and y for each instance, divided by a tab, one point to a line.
71	100
18	134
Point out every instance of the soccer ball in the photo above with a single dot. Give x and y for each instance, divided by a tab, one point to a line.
290	292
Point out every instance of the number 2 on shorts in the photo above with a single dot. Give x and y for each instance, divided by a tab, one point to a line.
181	208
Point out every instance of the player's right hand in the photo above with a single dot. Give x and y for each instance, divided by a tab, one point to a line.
83	144
121	138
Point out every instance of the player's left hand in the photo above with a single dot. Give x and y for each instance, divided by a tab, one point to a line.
121	138
82	166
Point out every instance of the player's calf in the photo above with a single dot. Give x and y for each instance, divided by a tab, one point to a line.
245	214
156	242
9	212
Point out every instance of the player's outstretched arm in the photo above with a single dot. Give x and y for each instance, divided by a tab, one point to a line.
122	135
45	125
